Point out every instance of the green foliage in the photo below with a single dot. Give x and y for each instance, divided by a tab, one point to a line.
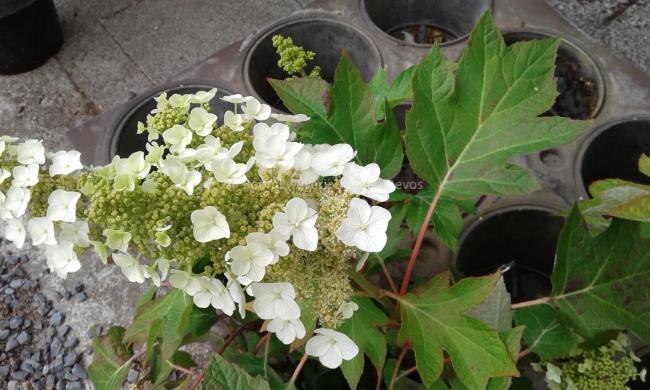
544	334
347	118
293	58
434	318
395	93
495	309
600	283
111	360
362	328
223	375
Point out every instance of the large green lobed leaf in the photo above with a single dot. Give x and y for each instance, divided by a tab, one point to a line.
435	319
223	375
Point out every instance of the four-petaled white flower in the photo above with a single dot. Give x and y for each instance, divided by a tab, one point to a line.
275	301
233	121
15	232
178	137
117	239
347	310
201	121
4	174
209	224
290	118
25	176
256	110
227	171
287	330
155	153
41	229
329	160
179	101
236	98
365	181
65	162
250	260
16	200
30	152
75	232
62	205
62	259
365	226
180	175
272	146
131	268
273	241
184	281
202	97
213	292
331	347
298	220
302	165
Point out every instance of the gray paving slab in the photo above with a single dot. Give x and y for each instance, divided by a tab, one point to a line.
620	24
163	36
93	60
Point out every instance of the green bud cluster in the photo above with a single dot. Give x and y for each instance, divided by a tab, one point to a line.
293	58
45	186
609	367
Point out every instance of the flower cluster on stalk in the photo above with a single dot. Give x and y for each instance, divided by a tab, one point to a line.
280	222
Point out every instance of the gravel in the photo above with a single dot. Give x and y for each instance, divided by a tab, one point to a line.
37	349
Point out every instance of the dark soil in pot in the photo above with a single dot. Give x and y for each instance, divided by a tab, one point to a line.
578	83
521	241
614	152
126	140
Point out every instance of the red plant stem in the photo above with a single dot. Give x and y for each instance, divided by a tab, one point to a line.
261	342
296	372
232	336
379	380
418	242
389	279
402	353
534	302
408	371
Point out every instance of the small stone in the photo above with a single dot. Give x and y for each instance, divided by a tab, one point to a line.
4	371
132	376
55	347
70	377
9	291
11	345
15	322
70	359
49	381
78	287
57	364
4	324
12	385
79	371
56	318
80	297
63	330
73	386
4	333
23	338
27	324
71	342
19	375
67	295
25	366
16	284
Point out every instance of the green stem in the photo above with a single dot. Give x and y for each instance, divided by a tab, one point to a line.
534	302
374	292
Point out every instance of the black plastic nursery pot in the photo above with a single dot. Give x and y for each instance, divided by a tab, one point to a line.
579	81
125	139
326	37
425	22
613	151
30	33
519	240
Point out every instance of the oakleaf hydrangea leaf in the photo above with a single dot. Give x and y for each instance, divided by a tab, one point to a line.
601	283
224	375
495	310
362	329
545	334
466	126
435	319
111	360
398	91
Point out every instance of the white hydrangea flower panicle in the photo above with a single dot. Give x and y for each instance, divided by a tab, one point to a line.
365	181
256	110
365	226
331	347
65	162
298	221
250	260
287	331
209	224
275	301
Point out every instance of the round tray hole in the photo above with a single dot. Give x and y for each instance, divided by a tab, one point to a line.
579	83
426	22
125	139
524	239
615	152
327	38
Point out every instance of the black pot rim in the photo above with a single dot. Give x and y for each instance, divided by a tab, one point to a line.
589	139
144	99
368	20
258	38
574	48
